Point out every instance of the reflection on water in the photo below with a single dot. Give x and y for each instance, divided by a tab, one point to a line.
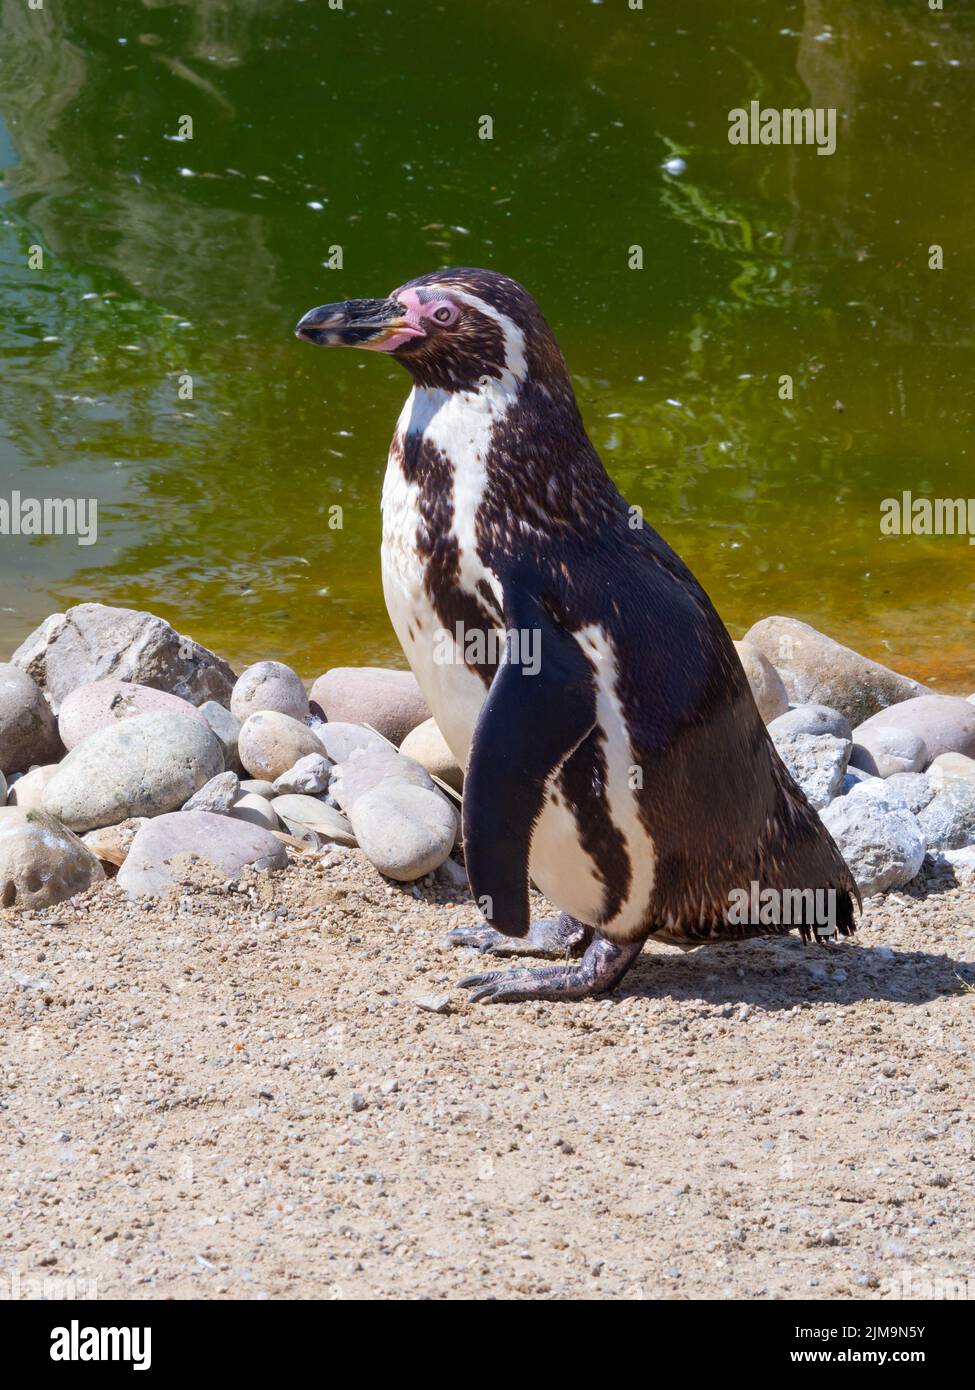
168	260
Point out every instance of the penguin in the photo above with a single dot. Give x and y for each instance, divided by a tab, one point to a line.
614	755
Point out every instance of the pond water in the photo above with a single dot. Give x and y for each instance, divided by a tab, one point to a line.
170	261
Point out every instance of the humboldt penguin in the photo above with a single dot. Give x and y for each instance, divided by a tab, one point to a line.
614	753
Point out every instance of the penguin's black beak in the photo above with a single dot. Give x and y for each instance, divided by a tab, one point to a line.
381	324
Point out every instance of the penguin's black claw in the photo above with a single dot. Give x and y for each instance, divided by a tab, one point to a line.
551	937
603	966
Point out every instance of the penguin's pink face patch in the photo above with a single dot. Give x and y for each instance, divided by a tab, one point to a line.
419	317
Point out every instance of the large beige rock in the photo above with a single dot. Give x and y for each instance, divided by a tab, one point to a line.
41	862
140	767
93	641
388	701
270	743
428	746
817	670
766	683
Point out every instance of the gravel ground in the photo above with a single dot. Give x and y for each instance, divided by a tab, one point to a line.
235	1094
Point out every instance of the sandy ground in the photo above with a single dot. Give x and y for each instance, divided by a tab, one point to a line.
234	1094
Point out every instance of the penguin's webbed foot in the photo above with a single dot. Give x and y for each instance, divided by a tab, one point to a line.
603	966
551	937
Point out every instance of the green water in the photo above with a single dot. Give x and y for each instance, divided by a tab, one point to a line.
358	127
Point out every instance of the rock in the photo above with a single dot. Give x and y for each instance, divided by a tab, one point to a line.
139	767
962	862
766	683
28	729
340	739
41	862
269	685
405	831
368	768
812	719
256	786
817	670
951	767
885	752
405	826
102	703
388	701
28	791
817	762
852	778
309	813
270	743
226	727
948	820
255	809
945	723
877	835
433	1003
427	746
218	795
171	847
915	788
112	843
92	641
309	776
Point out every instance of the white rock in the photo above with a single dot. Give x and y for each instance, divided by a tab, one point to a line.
817	762
218	795
812	719
269	685
140	767
951	767
948	820
340	740
877	835
41	862
916	788
256	786
309	776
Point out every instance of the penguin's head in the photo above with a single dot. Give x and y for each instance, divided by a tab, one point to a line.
456	329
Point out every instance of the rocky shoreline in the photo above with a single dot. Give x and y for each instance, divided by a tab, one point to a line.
129	751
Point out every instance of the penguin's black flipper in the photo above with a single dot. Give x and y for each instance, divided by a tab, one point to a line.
540	707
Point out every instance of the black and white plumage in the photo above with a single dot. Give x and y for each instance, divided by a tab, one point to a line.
629	775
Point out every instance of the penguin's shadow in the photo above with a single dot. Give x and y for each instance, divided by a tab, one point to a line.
780	972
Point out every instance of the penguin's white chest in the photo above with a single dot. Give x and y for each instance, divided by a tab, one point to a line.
560	865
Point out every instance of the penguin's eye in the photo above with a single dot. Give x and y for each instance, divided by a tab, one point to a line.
445	314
